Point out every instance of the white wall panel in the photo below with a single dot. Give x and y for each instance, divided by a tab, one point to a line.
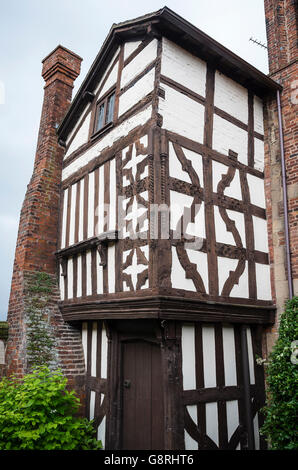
79	276
227	136
104	353
209	364
200	259
188	356
137	92
231	97
263	282
64	216
229	355
260	234
130	47
90	232
138	64
183	67
259	154
212	421
88	273
69	278
258	115
178	278
232	417
190	443
81	136
94	349
72	214
182	114
256	190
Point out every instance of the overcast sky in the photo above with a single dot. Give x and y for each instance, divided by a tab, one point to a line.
30	29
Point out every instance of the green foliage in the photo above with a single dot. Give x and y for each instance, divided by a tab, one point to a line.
38	413
281	412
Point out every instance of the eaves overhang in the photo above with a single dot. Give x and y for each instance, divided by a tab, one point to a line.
165	22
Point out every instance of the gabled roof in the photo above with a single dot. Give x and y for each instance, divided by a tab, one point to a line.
169	24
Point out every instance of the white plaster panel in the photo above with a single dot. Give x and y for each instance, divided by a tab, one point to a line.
259	154
175	167
111	268
101	432
178	202
212	421
197	228
94	349
79	276
111	80
178	278
225	265
69	278
99	274
64	216
130	47
139	90
104	353
92	404
112	214
100	206
241	289
81	217
231	97
258	115
200	259
61	284
227	136
106	71
78	122
256	431
138	64
229	355
263	282
188	356
84	340
260	234
72	214
183	67
234	189
182	114
209	363
190	443
232	417
91	205
251	359
197	163
107	141
256	190
222	235
88	273
2	352
81	136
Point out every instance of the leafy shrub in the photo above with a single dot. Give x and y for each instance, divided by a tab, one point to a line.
281	412
38	413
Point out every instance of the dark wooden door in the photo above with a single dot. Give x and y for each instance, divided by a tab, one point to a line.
142	396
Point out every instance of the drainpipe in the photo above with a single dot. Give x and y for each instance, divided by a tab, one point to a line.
285	197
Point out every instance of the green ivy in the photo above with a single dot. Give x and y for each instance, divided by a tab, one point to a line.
39	413
281	411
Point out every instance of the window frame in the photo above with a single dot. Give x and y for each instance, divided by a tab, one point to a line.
104	100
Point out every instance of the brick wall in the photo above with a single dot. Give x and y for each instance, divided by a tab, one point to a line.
281	27
34	280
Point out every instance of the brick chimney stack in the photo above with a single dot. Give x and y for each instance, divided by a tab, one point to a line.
35	263
281	27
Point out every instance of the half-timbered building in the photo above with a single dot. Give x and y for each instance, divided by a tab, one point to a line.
162	252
